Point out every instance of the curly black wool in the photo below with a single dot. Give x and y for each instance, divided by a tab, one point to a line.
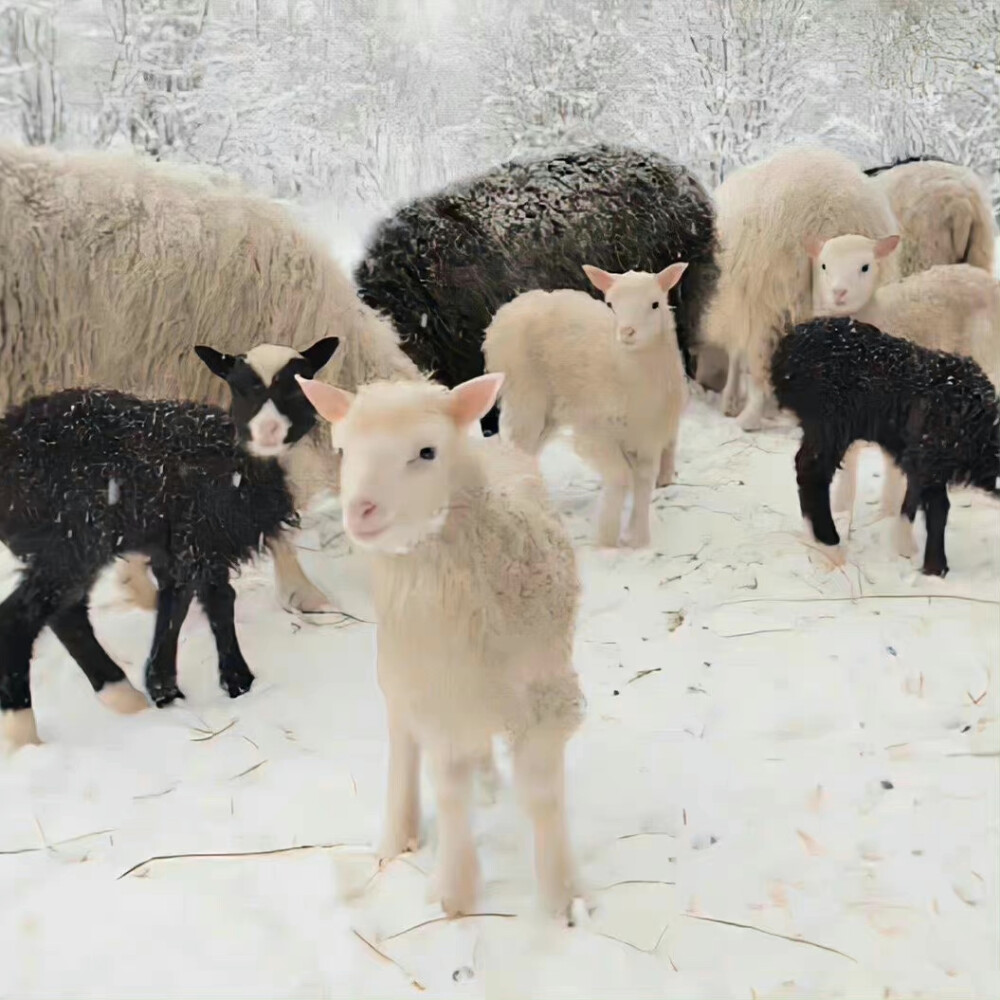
875	171
442	265
935	414
89	475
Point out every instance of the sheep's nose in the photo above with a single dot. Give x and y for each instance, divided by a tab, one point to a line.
362	510
627	333
839	294
270	430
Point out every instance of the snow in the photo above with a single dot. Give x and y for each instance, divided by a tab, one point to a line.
770	741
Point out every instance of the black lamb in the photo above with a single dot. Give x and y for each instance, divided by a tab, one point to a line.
442	265
89	475
935	414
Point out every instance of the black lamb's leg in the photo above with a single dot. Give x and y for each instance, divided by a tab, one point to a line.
218	599
172	606
935	504
22	616
73	629
814	477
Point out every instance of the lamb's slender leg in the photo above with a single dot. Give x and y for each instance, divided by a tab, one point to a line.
161	667
296	592
132	574
667	461
22	617
73	629
457	873
846	491
906	544
814	474
935	503
643	476
402	807
894	488
218	599
616	473
539	771
488	778
731	393
752	416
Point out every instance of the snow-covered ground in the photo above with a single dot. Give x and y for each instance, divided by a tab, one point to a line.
786	784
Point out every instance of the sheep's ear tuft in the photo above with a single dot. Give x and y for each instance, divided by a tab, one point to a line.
217	363
885	246
601	280
472	400
669	276
320	352
329	402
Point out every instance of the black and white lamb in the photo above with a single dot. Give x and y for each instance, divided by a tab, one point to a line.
442	265
89	475
935	414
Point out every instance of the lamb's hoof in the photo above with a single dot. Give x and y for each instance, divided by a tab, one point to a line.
731	406
392	845
164	695
455	890
902	536
935	569
17	729
123	698
662	482
750	422
637	539
606	540
236	682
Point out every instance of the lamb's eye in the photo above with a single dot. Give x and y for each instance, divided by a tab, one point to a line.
427	454
656	305
608	304
823	266
864	268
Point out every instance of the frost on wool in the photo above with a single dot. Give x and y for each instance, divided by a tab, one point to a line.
90	475
935	414
456	256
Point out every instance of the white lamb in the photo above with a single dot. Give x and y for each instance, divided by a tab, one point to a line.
765	212
611	371
951	307
475	589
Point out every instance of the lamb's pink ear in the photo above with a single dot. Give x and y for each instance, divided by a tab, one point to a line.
669	276
885	246
601	280
330	402
472	400
814	246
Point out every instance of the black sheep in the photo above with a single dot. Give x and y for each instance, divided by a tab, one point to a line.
89	475
442	265
935	414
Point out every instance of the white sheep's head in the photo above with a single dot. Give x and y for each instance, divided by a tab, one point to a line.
846	270
639	303
400	444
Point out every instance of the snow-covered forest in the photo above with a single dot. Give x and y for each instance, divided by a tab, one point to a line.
368	101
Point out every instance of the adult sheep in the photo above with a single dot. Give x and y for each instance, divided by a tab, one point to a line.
442	265
943	212
112	268
766	212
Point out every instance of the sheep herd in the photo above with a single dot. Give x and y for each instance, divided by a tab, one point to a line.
576	292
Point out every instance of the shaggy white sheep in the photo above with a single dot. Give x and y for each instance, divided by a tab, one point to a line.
475	589
611	371
943	212
112	268
953	307
765	212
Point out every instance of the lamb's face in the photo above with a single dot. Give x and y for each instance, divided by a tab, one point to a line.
846	271
639	303
268	405
400	444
